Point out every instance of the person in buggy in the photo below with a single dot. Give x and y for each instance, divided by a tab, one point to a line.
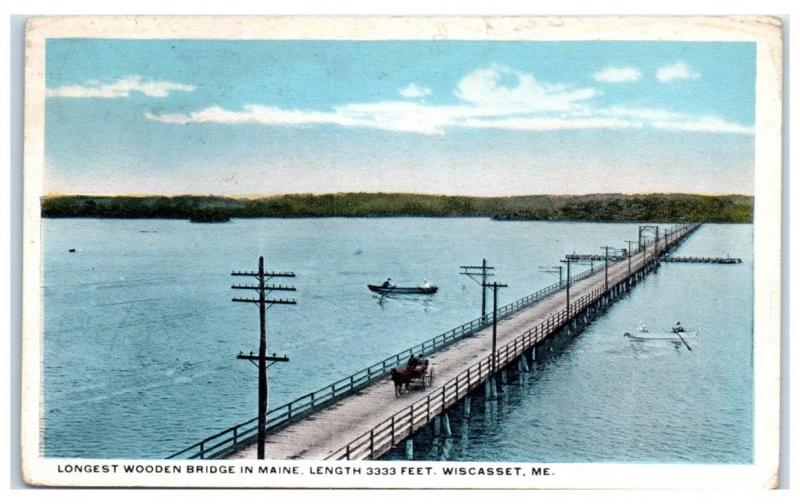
414	361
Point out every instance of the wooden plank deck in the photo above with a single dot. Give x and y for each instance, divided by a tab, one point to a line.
321	434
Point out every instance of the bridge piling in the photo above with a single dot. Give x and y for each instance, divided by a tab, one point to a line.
490	389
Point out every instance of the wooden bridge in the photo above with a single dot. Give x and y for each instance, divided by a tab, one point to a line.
596	257
359	417
706	260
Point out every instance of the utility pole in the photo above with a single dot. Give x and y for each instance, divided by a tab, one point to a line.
568	261
263	304
494	286
479	274
616	251
644	252
629	256
643	230
554	269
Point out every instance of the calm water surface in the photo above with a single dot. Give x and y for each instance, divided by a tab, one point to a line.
141	336
606	398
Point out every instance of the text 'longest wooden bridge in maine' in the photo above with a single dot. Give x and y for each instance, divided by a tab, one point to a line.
359	416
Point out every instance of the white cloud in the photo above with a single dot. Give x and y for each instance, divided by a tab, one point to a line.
677	71
618	74
704	124
493	98
121	88
482	92
553	123
503	88
676	121
414	91
396	116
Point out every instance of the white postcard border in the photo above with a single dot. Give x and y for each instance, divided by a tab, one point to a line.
765	31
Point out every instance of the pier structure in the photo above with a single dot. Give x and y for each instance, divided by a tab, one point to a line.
361	418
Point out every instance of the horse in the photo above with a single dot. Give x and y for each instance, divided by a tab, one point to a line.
400	377
404	376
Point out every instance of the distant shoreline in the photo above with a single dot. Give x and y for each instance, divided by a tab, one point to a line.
583	208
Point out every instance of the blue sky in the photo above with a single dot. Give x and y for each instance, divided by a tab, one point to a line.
483	118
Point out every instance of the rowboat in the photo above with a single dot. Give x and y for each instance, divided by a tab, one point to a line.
380	289
647	336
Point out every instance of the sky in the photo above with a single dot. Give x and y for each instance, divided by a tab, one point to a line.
443	117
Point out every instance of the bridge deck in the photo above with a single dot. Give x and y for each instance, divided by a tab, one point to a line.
323	433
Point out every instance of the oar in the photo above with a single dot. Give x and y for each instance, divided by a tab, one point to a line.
387	292
684	341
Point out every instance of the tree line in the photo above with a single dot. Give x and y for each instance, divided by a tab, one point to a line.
595	207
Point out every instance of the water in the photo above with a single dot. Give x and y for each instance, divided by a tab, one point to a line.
606	398
141	335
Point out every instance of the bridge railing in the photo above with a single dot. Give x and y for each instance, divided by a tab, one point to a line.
243	434
407	420
403	423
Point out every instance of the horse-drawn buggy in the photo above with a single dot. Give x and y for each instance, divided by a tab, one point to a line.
417	374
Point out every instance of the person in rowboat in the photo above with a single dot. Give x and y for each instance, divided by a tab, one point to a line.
387	284
678	328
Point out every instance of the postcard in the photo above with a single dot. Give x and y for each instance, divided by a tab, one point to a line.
456	252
